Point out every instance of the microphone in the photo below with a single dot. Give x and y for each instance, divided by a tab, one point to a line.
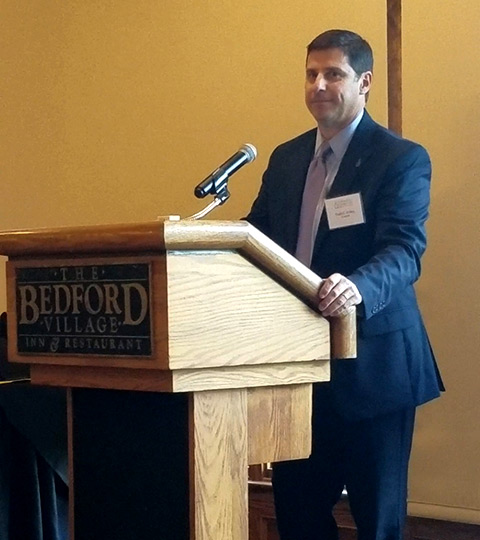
217	180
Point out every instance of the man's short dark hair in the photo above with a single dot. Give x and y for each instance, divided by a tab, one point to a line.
354	47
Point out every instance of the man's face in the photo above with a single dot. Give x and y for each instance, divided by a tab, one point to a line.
334	93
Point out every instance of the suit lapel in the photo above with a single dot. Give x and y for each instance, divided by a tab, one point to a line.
296	175
349	175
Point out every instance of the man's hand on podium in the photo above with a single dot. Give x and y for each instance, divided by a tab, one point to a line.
337	295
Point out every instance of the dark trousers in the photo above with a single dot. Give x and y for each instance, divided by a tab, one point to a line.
368	457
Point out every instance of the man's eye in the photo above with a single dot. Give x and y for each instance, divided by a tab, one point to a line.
334	75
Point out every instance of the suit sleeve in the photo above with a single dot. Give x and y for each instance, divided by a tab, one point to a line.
400	212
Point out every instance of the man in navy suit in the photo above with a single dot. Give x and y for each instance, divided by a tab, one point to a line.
365	235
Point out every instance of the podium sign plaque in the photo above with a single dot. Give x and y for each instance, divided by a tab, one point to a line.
94	309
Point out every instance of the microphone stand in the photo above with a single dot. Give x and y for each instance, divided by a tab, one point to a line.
219	199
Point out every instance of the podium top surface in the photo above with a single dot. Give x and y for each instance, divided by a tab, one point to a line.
159	236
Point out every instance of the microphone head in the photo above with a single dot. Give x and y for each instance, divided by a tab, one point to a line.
250	151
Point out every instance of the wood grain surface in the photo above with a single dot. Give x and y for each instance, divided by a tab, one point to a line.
93	239
279	420
194	380
219	488
269	256
223	311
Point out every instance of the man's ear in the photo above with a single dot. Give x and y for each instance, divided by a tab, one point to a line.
365	82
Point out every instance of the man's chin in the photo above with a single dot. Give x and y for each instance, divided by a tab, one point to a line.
325	120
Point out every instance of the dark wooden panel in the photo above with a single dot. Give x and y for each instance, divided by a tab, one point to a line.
261	513
130	461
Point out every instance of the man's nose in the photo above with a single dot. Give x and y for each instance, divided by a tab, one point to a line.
320	82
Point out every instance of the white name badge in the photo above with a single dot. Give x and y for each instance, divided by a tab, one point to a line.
344	211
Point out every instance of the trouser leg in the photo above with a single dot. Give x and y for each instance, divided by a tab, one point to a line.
378	452
303	513
369	456
305	491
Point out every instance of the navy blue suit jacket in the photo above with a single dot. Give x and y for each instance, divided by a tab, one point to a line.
395	367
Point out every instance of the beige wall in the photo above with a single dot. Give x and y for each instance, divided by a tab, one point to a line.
442	110
113	110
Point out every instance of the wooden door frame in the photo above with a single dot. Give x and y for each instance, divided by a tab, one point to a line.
394	64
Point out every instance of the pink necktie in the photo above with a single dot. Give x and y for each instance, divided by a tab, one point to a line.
314	185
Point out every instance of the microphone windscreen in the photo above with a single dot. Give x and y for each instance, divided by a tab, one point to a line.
250	150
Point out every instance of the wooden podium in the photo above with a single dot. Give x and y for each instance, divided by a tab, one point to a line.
189	350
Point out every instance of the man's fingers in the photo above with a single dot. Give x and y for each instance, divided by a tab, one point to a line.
328	284
337	296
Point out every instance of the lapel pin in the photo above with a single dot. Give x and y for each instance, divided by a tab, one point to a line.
358	163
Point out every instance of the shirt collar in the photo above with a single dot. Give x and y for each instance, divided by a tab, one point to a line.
341	140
